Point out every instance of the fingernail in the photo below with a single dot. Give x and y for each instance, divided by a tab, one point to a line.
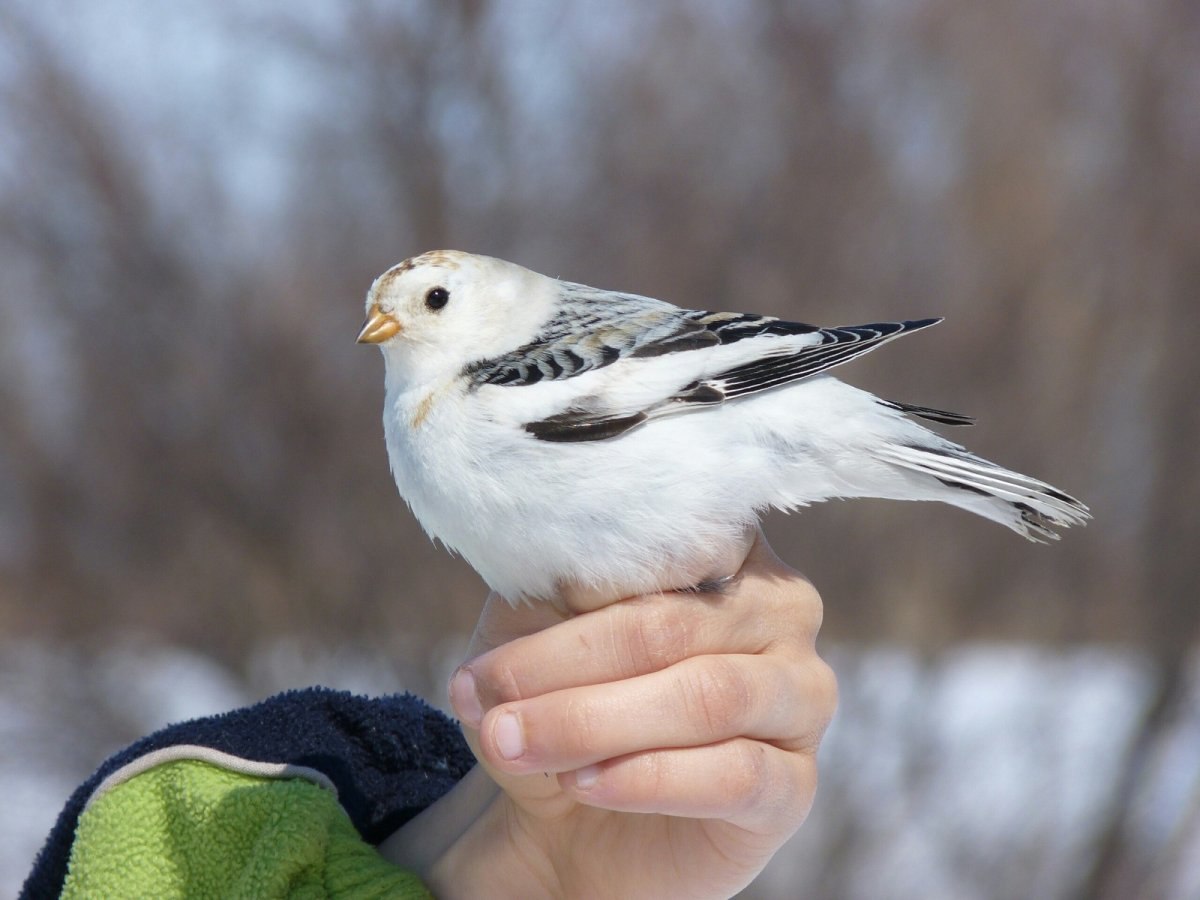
510	740
465	699
586	777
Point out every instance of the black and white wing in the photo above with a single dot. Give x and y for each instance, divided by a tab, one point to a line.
596	328
775	368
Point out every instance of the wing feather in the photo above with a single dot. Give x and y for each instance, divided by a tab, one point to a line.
774	369
594	329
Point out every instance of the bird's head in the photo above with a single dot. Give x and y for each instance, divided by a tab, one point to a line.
448	308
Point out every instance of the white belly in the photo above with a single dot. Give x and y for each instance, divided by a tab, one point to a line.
648	510
634	514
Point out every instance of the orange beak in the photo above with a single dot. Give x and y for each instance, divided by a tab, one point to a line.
379	326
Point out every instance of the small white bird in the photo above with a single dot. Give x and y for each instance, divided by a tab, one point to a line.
554	433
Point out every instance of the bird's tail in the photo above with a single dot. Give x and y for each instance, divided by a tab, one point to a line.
1028	506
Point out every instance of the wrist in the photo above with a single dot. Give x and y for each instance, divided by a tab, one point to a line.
420	842
494	857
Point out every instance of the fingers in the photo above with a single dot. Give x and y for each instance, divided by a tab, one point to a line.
765	604
701	700
620	641
752	785
707	705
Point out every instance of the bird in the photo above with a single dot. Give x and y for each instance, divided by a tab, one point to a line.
558	435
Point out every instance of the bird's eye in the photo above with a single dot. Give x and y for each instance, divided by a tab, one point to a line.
437	298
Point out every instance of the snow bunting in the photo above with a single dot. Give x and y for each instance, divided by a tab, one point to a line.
554	433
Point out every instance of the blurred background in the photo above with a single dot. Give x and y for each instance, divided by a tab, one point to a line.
195	504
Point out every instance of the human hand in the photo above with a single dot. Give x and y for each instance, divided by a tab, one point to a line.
660	746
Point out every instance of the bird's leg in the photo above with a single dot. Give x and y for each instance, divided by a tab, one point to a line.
711	585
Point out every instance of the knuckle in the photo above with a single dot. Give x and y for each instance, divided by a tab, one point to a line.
580	728
746	775
826	686
769	792
801	612
812	612
652	779
717	694
822	700
808	611
654	637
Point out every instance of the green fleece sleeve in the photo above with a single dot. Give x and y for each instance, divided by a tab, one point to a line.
188	828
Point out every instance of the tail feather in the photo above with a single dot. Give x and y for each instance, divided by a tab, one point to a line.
1028	506
941	416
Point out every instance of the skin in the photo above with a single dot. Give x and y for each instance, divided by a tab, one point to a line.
659	746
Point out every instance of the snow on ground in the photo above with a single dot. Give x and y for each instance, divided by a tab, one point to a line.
979	773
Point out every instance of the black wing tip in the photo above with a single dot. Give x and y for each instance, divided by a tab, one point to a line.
882	330
918	324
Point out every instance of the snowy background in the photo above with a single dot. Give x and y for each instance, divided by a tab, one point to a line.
986	772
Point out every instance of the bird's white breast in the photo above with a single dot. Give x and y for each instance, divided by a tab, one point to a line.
641	512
